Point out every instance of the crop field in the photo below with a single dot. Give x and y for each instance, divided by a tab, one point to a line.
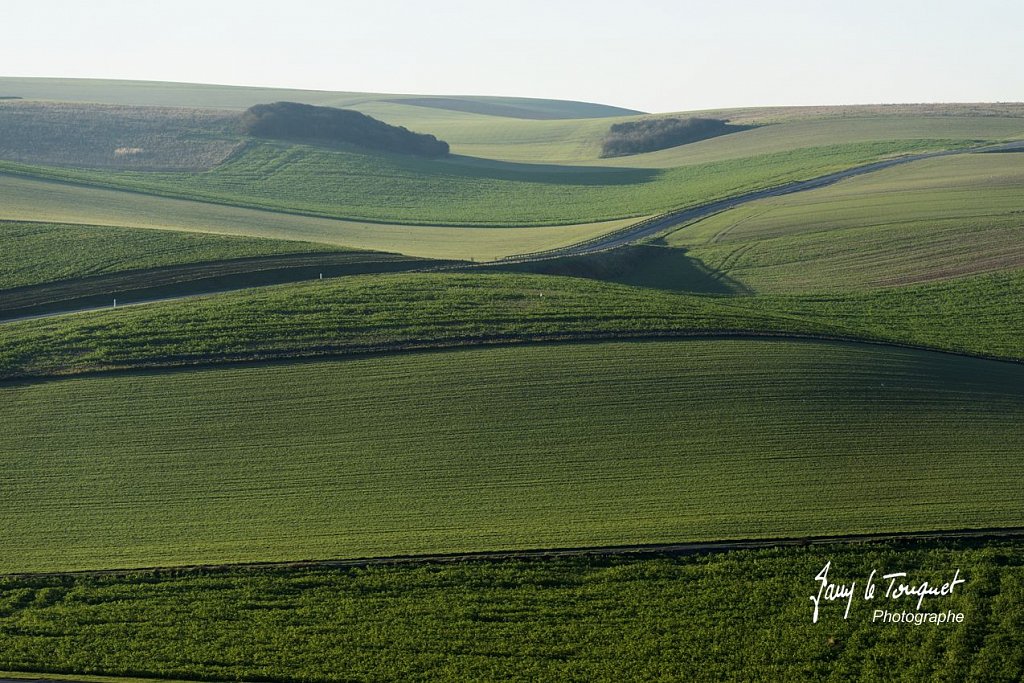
982	315
739	616
550	446
36	253
27	199
48	267
360	314
929	220
347	185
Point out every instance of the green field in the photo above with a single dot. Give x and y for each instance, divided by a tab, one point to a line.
27	199
740	616
347	184
49	267
847	360
929	220
548	446
363	314
36	253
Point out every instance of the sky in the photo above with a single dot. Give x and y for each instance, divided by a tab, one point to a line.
651	55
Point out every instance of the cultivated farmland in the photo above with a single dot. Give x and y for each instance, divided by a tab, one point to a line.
362	314
346	184
719	617
832	362
929	220
493	449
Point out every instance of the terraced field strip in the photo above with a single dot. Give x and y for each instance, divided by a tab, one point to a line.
772	135
499	449
933	219
27	199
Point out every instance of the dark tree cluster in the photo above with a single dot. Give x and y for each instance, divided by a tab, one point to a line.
9	97
648	135
304	122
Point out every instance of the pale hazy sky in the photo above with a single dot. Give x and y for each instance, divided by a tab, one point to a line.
655	55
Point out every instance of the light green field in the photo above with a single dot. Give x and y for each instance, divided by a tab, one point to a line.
579	142
800	134
28	199
349	184
506	448
929	220
208	96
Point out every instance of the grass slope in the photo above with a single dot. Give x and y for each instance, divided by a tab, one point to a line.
27	199
35	253
46	267
933	219
980	315
556	446
735	616
360	314
208	96
348	184
579	141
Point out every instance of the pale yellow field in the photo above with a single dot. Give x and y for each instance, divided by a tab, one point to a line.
39	200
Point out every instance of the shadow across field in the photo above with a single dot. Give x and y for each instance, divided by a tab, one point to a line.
653	266
137	286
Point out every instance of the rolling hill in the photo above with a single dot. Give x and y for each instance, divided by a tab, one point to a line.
929	220
833	361
499	449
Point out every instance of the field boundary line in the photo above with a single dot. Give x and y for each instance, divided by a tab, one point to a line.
633	551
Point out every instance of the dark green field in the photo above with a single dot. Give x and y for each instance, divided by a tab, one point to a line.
737	616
